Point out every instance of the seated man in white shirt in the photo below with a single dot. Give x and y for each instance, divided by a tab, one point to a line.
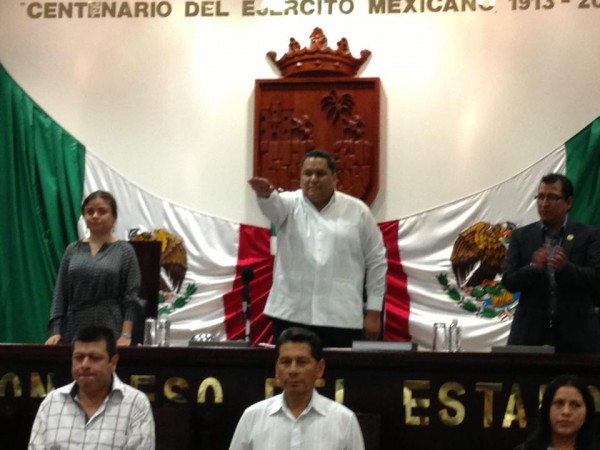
300	418
97	410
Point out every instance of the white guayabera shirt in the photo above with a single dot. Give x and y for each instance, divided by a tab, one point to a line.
323	425
322	260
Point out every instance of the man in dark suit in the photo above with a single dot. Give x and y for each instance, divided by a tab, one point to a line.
555	265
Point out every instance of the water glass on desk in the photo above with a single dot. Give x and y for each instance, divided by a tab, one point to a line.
440	337
150	332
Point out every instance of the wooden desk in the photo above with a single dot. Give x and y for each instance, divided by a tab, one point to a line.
409	401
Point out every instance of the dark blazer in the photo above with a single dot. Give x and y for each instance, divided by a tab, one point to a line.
577	329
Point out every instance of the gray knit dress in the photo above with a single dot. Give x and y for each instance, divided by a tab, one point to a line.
95	290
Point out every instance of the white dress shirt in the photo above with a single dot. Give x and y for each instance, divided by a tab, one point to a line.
322	260
323	425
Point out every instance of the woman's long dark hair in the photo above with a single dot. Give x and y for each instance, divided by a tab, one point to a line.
541	437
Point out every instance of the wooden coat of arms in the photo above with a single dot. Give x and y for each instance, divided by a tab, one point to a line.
319	104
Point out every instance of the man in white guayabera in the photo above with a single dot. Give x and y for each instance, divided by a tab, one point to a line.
329	253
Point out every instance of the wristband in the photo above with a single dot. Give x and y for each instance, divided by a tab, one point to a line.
126	335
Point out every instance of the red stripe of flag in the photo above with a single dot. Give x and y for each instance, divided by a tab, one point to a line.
253	251
397	300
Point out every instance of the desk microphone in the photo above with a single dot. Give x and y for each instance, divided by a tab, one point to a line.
247	276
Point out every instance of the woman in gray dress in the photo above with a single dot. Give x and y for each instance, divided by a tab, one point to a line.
99	278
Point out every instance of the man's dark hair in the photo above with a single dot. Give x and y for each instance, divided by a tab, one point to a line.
303	336
96	333
567	186
316	153
104	195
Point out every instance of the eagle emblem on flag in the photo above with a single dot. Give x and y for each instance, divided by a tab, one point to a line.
477	262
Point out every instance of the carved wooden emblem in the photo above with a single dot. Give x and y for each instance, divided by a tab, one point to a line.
318	104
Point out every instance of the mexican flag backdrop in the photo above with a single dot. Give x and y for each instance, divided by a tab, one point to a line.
46	173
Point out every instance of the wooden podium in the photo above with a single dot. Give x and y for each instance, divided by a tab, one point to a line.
148	255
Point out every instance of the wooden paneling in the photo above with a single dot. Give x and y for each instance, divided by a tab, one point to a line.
412	400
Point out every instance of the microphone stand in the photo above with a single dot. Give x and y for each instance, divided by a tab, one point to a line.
246	306
247	276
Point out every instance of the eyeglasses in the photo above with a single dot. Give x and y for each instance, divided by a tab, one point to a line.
549	197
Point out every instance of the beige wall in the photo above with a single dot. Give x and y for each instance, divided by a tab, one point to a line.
470	98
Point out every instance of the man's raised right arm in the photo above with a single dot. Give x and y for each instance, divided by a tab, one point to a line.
261	186
274	207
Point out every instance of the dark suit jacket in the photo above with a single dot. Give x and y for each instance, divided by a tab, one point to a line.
577	329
